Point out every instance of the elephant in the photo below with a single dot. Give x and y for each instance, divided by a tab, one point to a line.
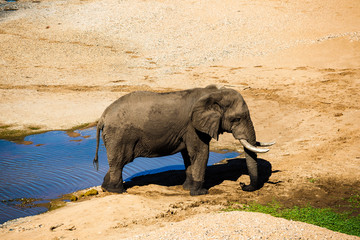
149	124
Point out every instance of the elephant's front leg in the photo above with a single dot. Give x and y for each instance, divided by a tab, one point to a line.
197	148
195	174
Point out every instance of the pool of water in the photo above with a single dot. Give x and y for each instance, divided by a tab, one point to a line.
58	163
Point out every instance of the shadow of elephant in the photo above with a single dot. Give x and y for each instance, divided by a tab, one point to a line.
228	169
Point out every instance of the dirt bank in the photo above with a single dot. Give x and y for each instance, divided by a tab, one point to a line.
297	64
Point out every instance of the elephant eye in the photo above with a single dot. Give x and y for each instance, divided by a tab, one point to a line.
235	120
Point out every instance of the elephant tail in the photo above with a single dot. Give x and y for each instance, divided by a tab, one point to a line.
99	127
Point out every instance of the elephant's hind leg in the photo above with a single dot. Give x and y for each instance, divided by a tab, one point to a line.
113	181
117	158
189	180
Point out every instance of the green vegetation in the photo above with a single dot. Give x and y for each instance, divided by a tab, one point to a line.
13	134
34	128
74	198
323	217
354	201
16	135
313	180
91	192
56	204
81	126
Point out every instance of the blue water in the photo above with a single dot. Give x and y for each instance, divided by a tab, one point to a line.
57	164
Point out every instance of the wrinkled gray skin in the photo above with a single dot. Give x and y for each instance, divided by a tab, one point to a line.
147	124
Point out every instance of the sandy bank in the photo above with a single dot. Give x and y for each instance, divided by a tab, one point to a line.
296	63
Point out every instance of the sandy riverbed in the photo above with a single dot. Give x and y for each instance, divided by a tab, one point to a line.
297	64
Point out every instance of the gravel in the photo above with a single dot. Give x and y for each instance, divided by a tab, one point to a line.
241	225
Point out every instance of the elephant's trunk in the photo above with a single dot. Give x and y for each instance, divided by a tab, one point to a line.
251	163
247	137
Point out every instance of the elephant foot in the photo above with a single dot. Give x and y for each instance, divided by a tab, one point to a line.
188	183
113	190
247	188
197	189
201	191
186	186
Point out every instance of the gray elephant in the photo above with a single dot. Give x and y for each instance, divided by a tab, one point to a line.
148	124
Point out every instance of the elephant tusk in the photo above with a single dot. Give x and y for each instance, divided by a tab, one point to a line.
252	148
265	144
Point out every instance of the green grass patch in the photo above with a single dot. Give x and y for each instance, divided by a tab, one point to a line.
323	217
355	201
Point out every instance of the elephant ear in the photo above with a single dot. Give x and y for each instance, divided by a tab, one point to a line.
206	115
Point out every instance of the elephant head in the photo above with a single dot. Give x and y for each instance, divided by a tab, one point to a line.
225	110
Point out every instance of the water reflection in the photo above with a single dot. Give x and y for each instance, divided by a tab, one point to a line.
57	164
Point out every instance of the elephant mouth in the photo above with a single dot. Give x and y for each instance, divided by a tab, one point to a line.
255	149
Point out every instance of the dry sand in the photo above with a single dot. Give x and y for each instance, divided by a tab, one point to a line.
297	64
